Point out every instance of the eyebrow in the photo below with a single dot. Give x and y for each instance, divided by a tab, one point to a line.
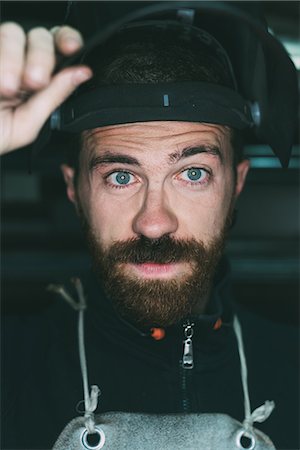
110	158
190	151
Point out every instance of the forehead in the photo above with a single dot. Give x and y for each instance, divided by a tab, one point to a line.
159	136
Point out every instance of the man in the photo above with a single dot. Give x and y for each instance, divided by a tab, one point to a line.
156	201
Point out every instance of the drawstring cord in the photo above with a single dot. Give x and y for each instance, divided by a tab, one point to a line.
261	413
90	399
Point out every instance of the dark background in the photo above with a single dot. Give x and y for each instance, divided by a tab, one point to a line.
41	239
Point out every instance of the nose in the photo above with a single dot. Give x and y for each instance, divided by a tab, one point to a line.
155	218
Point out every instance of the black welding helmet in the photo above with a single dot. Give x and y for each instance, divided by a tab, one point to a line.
263	97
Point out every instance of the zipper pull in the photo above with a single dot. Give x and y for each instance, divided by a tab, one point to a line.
188	360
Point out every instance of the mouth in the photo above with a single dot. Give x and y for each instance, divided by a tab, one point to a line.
152	270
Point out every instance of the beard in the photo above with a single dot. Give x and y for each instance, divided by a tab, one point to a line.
156	302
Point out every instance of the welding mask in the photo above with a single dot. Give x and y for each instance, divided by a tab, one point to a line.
262	98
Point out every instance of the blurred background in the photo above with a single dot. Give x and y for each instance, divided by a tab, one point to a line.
41	238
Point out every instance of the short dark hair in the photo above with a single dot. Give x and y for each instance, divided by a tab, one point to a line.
153	55
158	54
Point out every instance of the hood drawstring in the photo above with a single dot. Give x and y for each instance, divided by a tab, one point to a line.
261	413
90	398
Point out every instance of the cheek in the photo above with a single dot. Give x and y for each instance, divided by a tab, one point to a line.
204	214
109	218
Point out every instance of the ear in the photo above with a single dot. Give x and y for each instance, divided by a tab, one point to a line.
241	174
69	174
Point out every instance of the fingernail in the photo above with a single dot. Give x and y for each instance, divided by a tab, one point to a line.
82	75
73	41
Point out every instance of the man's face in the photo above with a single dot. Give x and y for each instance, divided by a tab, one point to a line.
156	199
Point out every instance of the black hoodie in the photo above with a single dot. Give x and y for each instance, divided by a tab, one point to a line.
42	379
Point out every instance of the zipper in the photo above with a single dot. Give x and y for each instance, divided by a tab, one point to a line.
187	362
188	357
185	398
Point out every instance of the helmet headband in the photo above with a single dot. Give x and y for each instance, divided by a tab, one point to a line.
128	103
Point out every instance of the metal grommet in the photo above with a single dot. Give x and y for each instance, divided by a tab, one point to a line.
255	113
246	434
97	445
55	119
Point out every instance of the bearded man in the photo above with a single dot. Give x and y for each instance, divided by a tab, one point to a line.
155	189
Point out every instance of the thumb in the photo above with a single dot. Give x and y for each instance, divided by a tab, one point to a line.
31	116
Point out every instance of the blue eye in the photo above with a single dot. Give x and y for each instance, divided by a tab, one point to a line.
195	175
120	178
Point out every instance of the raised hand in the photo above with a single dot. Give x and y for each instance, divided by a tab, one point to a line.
29	91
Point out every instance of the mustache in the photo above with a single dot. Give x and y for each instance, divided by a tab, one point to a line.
163	250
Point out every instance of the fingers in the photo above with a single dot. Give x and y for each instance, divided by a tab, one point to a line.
27	63
12	47
67	40
29	91
40	59
30	116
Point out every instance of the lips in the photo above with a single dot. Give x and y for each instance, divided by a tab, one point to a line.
156	270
